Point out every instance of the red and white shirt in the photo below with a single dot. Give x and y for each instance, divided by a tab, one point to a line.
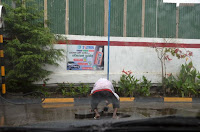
104	85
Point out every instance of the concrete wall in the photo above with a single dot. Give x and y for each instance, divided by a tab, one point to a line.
141	60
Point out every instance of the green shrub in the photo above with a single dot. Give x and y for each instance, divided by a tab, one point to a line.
144	87
44	90
29	48
70	90
187	83
83	90
130	86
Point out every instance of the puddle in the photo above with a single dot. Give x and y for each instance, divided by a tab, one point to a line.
150	112
16	115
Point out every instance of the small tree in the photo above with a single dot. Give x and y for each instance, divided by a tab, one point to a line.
163	54
29	48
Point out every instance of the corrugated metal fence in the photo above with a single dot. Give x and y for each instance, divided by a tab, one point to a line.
131	18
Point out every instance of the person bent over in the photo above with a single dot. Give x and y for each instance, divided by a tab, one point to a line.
103	91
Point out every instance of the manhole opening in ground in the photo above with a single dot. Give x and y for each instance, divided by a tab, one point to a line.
102	115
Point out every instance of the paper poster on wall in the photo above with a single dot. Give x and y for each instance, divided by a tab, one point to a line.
85	57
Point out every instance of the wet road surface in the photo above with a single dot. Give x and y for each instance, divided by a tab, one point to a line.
36	114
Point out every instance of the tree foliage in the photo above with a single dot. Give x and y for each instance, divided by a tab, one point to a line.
30	46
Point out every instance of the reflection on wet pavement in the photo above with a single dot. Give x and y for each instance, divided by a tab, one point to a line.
57	105
2	121
18	115
103	115
150	112
25	114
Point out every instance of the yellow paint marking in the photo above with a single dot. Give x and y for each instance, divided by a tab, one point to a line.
2	71
57	105
58	100
177	99
126	99
1	38
3	88
1	53
2	121
110	105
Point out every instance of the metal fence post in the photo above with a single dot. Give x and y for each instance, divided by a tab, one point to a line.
2	10
109	5
2	64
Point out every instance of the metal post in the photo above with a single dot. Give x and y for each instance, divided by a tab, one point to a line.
105	17
177	21
109	5
2	11
2	64
124	19
143	17
84	13
45	13
67	18
156	18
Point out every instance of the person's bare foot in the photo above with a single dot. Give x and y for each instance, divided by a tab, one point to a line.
115	114
115	117
97	116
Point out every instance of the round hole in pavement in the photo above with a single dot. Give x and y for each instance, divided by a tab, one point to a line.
102	115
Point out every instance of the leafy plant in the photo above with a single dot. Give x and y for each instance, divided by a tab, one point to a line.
144	87
44	90
83	89
187	82
64	92
29	48
163	54
71	90
127	84
170	85
117	89
62	88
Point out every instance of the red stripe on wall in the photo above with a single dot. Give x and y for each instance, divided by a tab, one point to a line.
140	44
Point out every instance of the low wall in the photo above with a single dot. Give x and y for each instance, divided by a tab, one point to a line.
135	54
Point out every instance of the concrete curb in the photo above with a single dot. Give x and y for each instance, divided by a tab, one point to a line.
125	99
149	99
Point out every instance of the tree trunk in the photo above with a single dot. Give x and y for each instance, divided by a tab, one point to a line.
163	85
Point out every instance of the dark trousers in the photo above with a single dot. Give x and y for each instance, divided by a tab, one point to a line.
102	96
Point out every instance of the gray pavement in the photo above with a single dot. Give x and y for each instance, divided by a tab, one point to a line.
60	115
